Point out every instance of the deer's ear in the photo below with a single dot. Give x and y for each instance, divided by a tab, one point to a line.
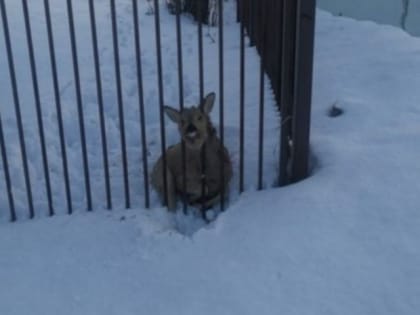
208	102
173	114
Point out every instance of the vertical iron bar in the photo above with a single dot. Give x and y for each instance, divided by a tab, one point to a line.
242	102
303	88
262	40
141	102
120	103
7	174
79	104
58	105
100	103
38	105
181	100
161	98
200	51
238	10
277	21
280	90
286	79
221	100
12	73
294	85
200	20
252	24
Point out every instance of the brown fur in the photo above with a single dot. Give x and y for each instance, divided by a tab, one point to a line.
203	143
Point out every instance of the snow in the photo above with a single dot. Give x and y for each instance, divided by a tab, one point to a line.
344	241
401	13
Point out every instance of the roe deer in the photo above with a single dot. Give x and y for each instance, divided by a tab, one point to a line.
201	145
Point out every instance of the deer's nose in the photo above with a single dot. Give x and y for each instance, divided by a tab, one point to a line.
191	128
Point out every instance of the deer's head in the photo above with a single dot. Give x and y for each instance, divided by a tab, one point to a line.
194	122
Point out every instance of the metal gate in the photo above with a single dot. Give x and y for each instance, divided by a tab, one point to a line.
282	31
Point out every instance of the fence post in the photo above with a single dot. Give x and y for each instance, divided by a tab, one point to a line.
287	36
303	89
297	51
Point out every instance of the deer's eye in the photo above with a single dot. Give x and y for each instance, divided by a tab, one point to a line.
200	117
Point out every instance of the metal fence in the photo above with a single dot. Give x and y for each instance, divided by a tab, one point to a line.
283	32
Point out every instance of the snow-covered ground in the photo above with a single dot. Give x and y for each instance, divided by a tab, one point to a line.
344	241
401	13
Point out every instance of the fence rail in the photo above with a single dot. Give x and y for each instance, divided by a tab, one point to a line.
281	30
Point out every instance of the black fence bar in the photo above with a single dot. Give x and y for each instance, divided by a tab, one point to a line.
58	106
242	15
201	17
161	99
287	96
221	103
16	100
98	79
252	21
7	174
181	100
120	103
38	106
285	116
137	43
277	25
79	104
262	36
303	89
242	100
